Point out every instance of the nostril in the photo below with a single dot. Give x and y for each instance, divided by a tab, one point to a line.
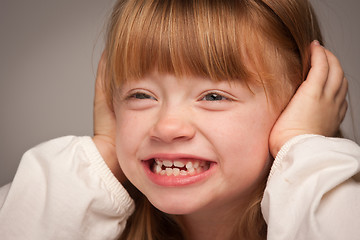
172	129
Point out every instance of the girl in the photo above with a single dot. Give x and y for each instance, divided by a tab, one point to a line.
192	104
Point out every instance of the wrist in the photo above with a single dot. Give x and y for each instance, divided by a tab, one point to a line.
278	140
107	151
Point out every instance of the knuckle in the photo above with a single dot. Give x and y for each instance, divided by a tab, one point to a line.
324	67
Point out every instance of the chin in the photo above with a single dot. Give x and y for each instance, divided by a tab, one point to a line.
175	208
177	204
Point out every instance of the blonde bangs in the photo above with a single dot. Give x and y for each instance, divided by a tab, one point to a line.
201	38
219	40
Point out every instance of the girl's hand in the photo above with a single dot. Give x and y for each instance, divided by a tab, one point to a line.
318	106
104	124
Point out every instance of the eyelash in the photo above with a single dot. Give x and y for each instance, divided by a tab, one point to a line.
140	96
215	96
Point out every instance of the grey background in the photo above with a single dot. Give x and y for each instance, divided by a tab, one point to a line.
48	55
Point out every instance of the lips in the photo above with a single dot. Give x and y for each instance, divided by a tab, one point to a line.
174	170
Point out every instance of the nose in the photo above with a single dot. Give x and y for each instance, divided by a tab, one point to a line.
172	128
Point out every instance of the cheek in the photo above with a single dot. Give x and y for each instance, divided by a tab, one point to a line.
129	135
131	128
128	127
242	144
124	137
249	152
242	131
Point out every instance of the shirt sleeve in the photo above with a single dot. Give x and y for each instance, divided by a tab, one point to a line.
313	191
64	190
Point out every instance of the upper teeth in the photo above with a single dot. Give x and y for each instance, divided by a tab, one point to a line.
172	167
179	164
167	163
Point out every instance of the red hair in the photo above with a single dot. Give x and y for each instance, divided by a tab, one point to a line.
257	41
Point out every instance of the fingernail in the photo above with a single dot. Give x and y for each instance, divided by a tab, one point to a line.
316	42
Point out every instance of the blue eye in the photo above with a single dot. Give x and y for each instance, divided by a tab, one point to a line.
140	95
214	97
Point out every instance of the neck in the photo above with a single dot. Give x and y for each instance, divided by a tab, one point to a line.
211	225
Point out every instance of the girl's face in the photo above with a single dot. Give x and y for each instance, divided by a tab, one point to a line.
192	144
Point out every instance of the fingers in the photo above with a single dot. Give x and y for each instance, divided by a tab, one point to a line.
100	95
343	89
103	114
343	109
336	86
335	79
101	72
326	75
319	70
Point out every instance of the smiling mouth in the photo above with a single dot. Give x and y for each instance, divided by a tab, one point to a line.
182	167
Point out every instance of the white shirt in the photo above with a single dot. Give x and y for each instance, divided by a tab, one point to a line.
64	190
313	191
